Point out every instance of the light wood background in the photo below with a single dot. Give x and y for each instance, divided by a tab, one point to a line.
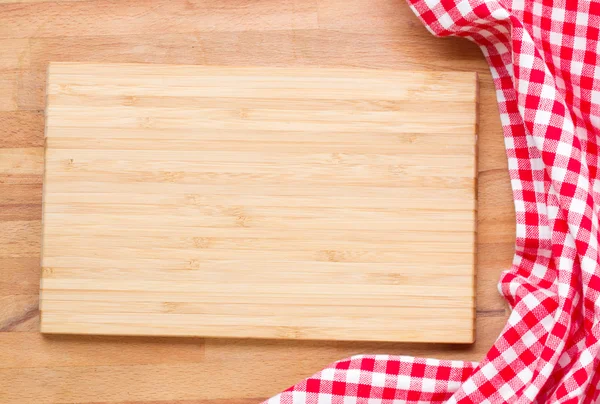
333	33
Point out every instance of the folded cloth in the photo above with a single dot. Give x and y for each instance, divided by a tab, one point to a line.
543	57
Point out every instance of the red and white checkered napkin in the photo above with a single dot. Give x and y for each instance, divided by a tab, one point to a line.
543	57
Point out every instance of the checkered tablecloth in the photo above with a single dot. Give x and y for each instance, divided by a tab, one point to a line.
543	57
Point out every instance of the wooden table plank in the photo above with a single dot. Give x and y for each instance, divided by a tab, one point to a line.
113	369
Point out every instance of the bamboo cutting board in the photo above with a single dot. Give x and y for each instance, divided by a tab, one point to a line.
258	202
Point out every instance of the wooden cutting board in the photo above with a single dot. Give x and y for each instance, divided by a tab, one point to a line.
258	202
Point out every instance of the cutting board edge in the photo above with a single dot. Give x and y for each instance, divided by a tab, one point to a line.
468	339
54	65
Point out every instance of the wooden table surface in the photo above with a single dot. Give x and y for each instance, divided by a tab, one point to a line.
332	33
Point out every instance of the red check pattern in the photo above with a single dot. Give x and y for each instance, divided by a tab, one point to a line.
543	57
